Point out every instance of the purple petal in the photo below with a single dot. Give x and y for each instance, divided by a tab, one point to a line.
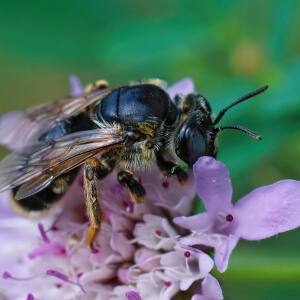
16	129
211	289
223	252
133	296
184	86
195	222
213	184
186	264
76	85
269	210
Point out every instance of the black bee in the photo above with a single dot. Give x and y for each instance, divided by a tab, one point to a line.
125	127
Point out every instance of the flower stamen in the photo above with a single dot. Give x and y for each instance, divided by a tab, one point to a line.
65	278
7	275
43	233
133	296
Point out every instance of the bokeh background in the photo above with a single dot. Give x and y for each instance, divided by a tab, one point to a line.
229	48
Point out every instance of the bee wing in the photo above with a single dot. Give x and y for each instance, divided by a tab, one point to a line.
40	163
19	128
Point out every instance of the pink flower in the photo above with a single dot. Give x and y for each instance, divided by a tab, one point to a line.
262	213
137	254
134	252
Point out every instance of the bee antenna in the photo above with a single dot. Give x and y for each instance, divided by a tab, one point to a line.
242	129
243	98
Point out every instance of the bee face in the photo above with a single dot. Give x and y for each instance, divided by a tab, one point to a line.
196	134
128	126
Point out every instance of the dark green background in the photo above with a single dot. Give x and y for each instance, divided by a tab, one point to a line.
228	47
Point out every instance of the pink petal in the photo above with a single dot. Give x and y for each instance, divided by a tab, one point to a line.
155	233
213	183
153	286
269	210
121	244
165	192
184	86
147	259
120	223
123	275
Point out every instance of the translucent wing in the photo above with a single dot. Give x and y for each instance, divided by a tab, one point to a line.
40	163
19	128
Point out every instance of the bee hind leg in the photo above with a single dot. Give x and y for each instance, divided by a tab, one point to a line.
169	168
137	191
94	170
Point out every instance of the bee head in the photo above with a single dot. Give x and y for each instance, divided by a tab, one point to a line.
197	134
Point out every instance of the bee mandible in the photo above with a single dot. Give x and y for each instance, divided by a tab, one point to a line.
125	127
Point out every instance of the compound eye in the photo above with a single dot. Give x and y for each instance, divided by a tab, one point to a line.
195	145
190	144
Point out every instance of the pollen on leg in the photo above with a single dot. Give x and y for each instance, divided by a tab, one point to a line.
91	235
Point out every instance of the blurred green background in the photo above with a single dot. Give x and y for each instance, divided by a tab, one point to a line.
229	48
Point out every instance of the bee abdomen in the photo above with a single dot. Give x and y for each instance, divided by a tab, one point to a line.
44	199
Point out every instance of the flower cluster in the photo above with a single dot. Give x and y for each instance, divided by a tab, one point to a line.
138	251
153	250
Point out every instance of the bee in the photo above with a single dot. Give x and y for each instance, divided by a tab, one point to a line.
125	127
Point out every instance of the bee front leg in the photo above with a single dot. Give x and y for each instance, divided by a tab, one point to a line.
169	168
94	170
137	192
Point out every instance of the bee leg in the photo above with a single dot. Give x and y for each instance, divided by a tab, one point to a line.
137	192
94	169
169	168
98	85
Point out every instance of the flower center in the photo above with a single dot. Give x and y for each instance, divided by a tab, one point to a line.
165	184
187	254
229	218
167	283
